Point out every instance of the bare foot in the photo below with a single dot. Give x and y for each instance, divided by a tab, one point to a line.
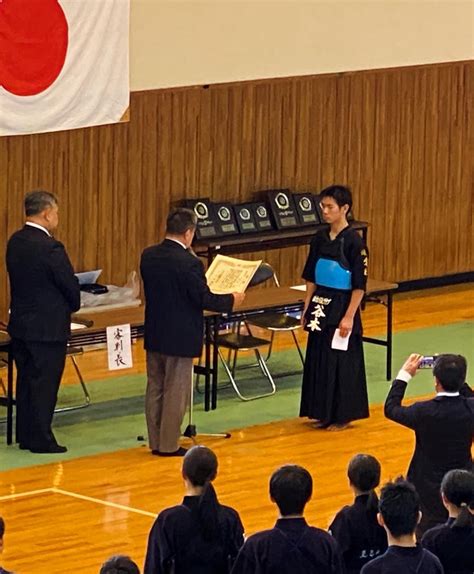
319	425
337	427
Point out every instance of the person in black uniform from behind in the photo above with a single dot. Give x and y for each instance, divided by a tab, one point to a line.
444	427
359	535
2	534
119	564
200	536
334	383
399	513
44	293
291	546
453	542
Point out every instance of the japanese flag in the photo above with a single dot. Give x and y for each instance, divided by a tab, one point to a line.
63	64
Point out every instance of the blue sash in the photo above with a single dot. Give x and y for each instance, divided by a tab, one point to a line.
330	273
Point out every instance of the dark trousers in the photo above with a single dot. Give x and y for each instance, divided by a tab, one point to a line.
39	370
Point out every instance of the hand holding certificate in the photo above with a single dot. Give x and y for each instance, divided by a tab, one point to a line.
230	275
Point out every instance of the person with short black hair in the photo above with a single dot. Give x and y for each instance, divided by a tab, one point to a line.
200	536
44	293
291	546
2	534
453	542
356	529
399	514
176	294
444	427
119	564
334	390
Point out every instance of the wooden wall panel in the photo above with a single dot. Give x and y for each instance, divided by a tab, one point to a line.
402	138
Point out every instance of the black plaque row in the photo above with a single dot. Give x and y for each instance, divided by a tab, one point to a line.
281	210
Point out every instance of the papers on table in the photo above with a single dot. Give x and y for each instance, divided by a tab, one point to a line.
230	275
299	287
77	326
87	277
340	343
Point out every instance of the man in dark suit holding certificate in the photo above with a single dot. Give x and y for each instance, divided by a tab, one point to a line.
444	428
176	294
44	293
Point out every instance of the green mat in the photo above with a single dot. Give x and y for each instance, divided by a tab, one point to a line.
115	419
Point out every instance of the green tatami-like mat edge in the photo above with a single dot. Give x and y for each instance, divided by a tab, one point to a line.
116	416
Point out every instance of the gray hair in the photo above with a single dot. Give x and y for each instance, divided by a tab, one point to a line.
39	200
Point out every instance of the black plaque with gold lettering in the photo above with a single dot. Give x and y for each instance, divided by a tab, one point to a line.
282	208
262	216
245	218
306	209
225	218
204	210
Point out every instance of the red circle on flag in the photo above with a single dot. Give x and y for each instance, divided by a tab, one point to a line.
33	45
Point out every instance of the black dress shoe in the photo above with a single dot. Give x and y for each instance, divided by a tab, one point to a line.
51	449
22	446
180	452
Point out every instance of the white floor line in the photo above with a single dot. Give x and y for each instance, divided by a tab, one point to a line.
103	502
28	493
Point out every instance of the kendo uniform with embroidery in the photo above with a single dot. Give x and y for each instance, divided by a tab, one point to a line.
334	382
176	544
291	547
404	560
453	545
359	535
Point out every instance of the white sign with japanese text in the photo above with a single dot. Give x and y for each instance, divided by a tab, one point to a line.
119	347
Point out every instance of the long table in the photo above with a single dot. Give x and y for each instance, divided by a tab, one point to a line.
272	299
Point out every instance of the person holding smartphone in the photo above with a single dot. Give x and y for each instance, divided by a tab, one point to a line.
334	388
443	425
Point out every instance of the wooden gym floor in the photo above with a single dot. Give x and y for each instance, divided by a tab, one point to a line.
70	516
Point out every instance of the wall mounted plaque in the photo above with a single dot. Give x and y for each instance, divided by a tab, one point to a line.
204	210
225	218
305	208
262	216
282	208
245	218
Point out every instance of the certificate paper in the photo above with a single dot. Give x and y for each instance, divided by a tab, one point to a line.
340	343
230	275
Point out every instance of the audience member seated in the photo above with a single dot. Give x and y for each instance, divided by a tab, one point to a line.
200	536
119	565
292	546
2	534
356	529
399	514
453	542
444	427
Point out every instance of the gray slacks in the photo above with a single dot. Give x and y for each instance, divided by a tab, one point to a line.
167	397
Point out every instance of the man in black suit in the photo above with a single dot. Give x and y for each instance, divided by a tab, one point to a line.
44	293
176	294
444	428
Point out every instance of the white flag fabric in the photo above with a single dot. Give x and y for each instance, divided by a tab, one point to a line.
64	64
